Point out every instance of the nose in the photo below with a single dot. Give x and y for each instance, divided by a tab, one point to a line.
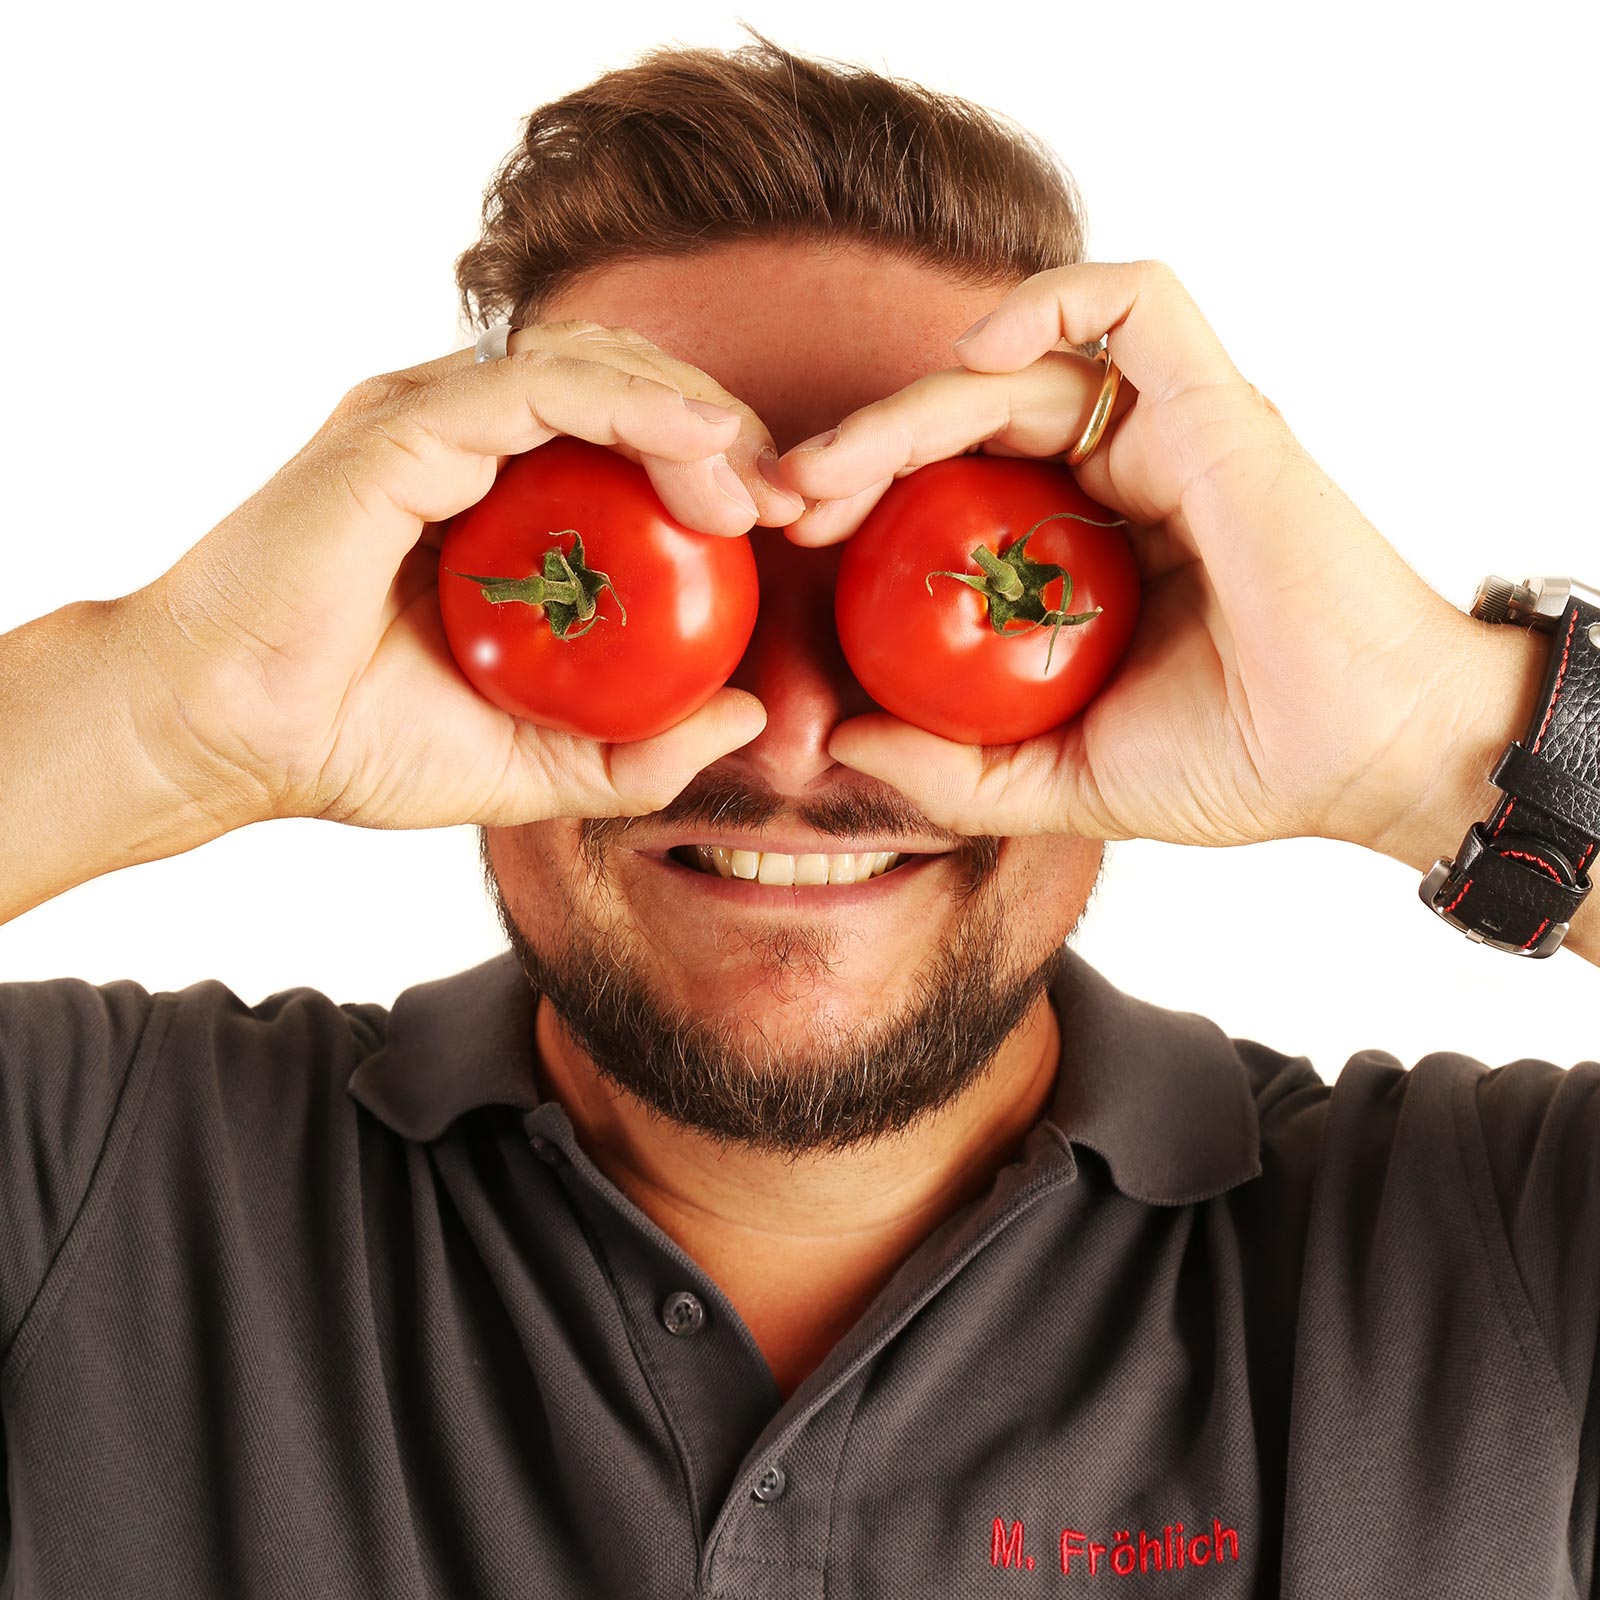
794	666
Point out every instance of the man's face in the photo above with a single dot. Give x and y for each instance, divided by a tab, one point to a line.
789	1019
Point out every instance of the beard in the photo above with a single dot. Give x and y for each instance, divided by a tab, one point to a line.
846	1086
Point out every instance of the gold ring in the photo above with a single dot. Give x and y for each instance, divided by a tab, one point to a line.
1081	451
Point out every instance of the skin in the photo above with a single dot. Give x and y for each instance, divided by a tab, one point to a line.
800	1244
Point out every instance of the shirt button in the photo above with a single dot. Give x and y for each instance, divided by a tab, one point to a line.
683	1313
770	1484
546	1149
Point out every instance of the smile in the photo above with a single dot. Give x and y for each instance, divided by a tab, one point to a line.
773	867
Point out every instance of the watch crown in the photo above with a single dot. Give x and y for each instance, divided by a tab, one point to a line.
1492	602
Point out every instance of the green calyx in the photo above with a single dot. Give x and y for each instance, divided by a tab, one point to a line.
1013	586
567	589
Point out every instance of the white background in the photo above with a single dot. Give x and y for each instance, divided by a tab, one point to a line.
221	220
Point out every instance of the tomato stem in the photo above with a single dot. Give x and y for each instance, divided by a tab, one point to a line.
568	589
1013	586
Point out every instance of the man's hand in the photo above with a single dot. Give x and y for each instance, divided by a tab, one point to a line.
300	645
293	662
1290	674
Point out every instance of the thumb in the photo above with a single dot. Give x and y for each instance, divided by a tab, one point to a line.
1003	790
645	774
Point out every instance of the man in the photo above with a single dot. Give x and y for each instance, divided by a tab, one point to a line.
725	1237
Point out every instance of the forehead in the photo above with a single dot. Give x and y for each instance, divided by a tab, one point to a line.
794	329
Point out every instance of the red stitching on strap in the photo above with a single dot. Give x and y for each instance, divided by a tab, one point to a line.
1511	800
1523	855
1555	694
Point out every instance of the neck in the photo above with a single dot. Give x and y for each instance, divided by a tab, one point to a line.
827	1229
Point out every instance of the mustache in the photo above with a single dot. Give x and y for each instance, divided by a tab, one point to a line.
744	802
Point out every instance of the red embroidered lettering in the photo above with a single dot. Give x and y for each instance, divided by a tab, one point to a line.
1073	1544
1005	1550
1122	1546
1218	1534
1129	1550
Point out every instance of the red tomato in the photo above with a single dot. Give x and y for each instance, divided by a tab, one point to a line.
689	598
924	644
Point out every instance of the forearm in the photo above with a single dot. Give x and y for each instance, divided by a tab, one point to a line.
1488	703
86	786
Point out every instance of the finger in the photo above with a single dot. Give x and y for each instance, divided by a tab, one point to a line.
684	492
1036	786
726	494
830	521
1037	412
421	452
692	490
398	454
1152	327
564	775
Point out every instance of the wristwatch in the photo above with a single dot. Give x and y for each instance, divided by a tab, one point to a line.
1519	876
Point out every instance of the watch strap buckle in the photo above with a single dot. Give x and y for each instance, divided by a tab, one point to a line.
1524	892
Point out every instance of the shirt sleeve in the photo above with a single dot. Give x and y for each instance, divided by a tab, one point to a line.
1541	1130
66	1049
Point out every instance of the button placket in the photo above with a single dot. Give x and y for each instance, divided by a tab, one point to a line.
714	1390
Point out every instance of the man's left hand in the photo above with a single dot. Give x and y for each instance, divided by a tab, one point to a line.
1290	675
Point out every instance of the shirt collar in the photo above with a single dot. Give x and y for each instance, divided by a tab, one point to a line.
1162	1096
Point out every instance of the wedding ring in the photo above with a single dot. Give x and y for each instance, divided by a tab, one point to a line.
1081	451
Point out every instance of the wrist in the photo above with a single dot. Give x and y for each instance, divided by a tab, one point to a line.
1481	693
87	786
167	694
1490	682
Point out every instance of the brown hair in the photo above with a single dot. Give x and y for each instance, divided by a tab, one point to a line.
693	147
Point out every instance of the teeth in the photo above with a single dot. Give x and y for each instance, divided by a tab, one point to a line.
810	869
775	868
768	866
717	861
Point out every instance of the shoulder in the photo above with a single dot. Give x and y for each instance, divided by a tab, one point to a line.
264	1071
1492	1117
122	1101
201	1056
1376	1101
74	1020
208	1021
70	1025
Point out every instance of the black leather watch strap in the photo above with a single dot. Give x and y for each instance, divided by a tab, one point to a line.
1521	874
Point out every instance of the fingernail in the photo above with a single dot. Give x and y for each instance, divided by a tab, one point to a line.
976	328
703	408
767	466
728	482
817	441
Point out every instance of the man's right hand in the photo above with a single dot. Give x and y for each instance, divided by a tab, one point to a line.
297	652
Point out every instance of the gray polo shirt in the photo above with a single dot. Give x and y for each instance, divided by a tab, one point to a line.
316	1299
